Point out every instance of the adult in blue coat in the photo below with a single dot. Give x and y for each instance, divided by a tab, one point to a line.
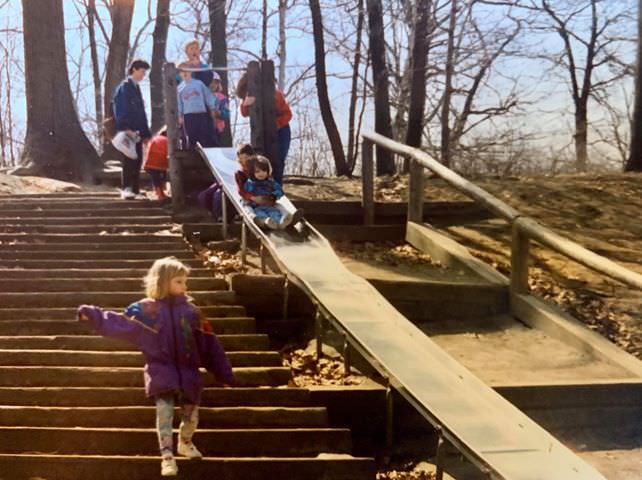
129	115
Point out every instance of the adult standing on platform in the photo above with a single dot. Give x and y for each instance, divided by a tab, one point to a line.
193	53
129	114
283	117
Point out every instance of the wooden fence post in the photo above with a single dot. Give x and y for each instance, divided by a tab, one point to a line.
270	147
367	182
171	120
256	111
415	192
519	256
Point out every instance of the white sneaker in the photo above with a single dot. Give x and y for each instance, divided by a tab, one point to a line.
271	223
168	467
127	194
188	450
140	196
286	220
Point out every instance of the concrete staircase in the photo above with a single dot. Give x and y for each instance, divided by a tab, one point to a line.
72	404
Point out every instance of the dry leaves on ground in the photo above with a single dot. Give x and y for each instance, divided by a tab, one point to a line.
387	253
221	261
306	370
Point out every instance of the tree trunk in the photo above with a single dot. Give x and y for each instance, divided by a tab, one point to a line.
95	69
264	29
418	68
581	138
55	145
322	91
115	70
283	4
385	160
634	163
158	59
446	147
218	39
353	142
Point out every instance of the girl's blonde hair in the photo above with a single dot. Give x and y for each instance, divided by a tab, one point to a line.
159	275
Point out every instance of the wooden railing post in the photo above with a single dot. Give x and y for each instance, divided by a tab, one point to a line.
367	182
415	192
171	120
519	257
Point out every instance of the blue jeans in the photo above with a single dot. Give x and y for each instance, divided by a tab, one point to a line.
262	211
283	137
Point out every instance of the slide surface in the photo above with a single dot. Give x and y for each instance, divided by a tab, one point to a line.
471	413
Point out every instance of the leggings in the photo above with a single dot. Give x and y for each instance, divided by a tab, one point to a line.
159	177
165	419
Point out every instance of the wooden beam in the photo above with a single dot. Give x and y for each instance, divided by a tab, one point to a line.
270	147
519	257
416	192
256	111
367	182
171	120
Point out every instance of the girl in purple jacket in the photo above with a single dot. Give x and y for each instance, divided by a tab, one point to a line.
176	340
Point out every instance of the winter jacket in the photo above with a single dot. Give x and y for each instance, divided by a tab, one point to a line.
175	339
129	109
156	157
283	112
259	188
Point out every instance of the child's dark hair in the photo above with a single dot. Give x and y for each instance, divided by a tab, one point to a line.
261	163
245	149
137	64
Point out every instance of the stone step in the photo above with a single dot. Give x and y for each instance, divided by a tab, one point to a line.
41	376
36	246
8	254
132	396
229	325
85	358
100	284
73	299
98	229
75	273
144	417
230	343
92	220
144	441
88	264
69	313
58	238
61	467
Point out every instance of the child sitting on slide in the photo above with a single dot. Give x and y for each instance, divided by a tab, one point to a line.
261	184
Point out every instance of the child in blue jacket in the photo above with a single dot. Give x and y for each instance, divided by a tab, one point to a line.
261	184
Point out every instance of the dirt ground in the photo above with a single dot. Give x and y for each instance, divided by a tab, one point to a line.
10	184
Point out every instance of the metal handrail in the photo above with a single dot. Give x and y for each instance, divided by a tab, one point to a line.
524	228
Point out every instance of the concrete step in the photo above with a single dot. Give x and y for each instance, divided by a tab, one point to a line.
132	396
118	359
75	273
36	246
100	284
69	211
69	313
9	254
230	343
60	467
229	325
106	228
92	220
143	417
89	264
57	238
73	299
280	442
125	376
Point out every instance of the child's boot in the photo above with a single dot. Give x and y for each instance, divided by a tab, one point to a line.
271	223
188	449
160	195
168	466
286	220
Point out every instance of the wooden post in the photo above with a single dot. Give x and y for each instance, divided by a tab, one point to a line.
416	192
243	244
519	261
367	182
256	110
171	120
270	147
224	215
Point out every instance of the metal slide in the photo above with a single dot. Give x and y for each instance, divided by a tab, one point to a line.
480	423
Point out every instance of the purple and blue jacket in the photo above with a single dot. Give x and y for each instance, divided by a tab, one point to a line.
176	340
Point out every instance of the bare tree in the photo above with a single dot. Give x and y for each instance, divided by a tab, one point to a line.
385	160
218	39
55	145
448	86
158	59
90	6
322	91
353	144
283	5
418	68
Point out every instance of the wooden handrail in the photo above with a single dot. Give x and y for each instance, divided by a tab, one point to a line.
524	228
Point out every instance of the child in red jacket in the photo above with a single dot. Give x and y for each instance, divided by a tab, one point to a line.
156	163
